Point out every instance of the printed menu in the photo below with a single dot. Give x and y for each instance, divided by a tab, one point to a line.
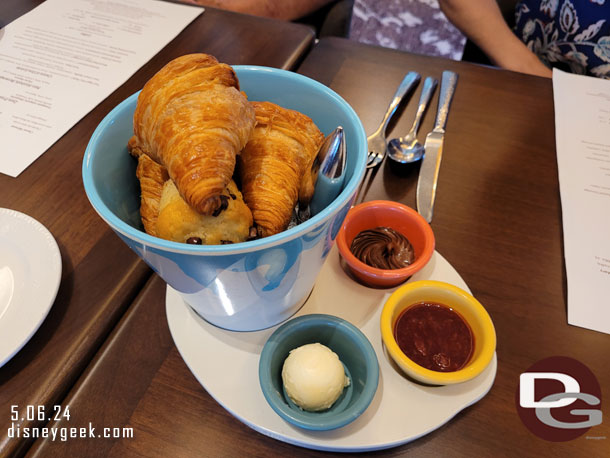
64	57
582	131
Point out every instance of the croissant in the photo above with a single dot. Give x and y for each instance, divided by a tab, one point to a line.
152	176
192	119
275	165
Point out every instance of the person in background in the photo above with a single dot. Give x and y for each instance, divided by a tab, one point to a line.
573	35
278	9
416	26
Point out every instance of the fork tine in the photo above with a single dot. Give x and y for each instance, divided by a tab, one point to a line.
373	159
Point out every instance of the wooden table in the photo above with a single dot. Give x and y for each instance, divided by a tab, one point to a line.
497	221
101	276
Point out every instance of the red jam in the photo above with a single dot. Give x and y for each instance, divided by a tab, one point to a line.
434	336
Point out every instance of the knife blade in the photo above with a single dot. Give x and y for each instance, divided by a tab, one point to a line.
433	147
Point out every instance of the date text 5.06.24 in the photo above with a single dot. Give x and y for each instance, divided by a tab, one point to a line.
40	413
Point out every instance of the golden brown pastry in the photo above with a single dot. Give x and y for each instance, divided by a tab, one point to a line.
152	176
192	119
179	222
276	164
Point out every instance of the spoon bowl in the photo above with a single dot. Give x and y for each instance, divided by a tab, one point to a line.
331	171
405	149
409	149
328	175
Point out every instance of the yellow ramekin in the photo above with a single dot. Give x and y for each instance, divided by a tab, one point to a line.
459	300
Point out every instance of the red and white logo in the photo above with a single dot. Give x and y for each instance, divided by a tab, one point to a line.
559	399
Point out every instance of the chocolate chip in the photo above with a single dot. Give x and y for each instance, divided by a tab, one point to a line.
194	241
226	242
224	203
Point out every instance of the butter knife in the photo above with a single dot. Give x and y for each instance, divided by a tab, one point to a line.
428	172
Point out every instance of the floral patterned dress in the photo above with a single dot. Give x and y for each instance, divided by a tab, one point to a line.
417	26
573	35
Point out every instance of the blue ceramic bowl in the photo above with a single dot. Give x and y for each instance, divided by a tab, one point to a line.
245	286
355	352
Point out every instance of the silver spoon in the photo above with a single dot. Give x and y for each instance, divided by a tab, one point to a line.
408	149
328	174
331	176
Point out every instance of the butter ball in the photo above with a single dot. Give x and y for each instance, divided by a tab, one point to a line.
313	377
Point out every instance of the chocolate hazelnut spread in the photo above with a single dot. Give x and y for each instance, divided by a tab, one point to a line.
383	248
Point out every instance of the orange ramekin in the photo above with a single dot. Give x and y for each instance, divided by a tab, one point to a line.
399	217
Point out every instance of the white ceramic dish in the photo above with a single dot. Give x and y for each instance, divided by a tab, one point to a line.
30	273
226	364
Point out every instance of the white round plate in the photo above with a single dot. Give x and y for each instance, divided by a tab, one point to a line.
226	364
30	273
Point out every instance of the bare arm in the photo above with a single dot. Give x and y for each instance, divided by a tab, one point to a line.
482	22
278	9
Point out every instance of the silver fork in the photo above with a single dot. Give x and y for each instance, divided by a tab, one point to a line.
376	141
